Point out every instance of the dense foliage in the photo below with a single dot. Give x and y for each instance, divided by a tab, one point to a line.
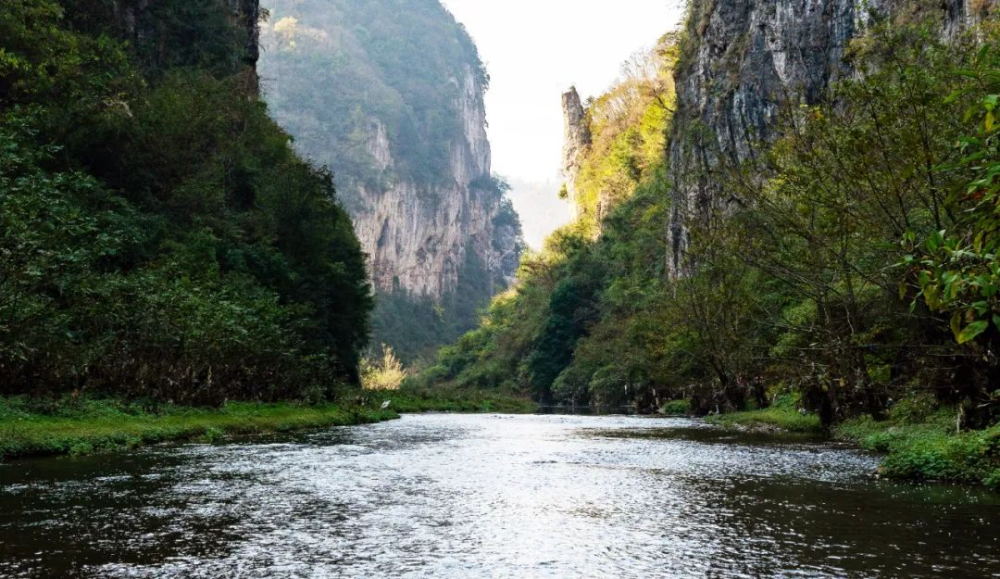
851	265
158	236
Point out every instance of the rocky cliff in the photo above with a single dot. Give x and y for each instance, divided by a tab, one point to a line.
576	140
391	99
744	59
420	235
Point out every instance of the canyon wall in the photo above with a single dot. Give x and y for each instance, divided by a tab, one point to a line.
391	99
746	58
419	235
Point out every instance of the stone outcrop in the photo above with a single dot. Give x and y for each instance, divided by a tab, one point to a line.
576	141
748	57
420	236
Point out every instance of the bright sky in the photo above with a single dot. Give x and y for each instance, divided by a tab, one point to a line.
535	50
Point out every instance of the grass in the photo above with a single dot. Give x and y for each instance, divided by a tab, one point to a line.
109	425
58	427
449	400
782	415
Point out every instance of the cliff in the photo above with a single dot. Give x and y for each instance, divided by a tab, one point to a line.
397	113
576	140
743	60
419	234
617	139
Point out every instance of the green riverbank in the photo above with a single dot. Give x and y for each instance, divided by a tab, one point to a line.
31	428
919	441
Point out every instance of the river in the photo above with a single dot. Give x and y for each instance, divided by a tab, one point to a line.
465	497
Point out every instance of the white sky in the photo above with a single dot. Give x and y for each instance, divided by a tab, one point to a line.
535	50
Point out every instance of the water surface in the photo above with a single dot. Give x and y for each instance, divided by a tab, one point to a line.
459	497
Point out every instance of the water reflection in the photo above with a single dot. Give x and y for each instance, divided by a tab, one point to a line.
491	496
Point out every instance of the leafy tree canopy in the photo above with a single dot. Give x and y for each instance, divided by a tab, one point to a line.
158	236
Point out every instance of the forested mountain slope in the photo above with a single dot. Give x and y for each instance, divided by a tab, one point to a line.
159	239
810	215
590	290
389	95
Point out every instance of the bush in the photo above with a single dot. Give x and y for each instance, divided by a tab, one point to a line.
676	407
386	373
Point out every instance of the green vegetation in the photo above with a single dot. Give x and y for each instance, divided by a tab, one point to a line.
158	236
410	400
783	414
42	427
88	426
345	65
849	263
676	407
922	441
920	438
586	293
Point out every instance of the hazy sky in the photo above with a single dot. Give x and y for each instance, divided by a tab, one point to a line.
535	50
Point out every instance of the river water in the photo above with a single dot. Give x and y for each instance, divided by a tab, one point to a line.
465	497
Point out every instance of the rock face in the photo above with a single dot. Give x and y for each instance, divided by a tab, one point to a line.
750	57
419	236
576	141
390	96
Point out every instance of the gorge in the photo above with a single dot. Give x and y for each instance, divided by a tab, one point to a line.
780	211
767	345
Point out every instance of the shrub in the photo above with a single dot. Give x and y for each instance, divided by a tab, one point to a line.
386	373
675	407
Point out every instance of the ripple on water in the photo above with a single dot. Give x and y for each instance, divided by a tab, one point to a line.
448	496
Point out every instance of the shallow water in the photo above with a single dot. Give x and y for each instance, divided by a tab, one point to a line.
457	497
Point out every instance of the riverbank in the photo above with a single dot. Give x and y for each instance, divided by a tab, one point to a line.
51	428
931	450
777	417
919	441
412	400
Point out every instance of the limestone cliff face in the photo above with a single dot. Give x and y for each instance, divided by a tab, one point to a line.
749	57
576	141
390	96
420	236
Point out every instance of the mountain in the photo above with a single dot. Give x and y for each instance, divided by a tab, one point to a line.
389	95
